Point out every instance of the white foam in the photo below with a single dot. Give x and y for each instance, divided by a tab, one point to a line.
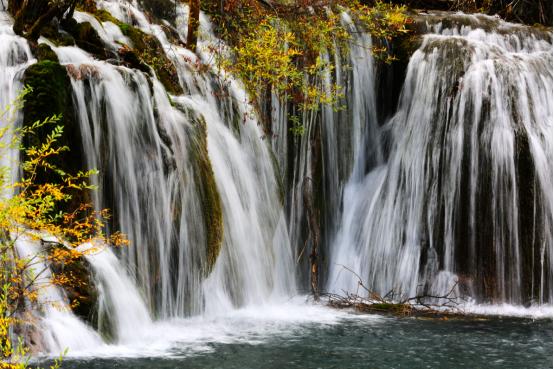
534	311
250	325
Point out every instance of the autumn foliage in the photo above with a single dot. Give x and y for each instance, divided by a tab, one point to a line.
30	210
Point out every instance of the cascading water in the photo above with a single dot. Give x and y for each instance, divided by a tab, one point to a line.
59	327
465	193
124	127
463	190
122	312
148	159
15	57
334	139
63	327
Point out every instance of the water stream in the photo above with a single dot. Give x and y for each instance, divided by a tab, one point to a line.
470	161
454	190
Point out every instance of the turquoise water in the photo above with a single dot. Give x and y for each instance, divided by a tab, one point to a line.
347	341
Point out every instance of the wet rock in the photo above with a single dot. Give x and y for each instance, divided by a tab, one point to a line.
50	96
210	199
44	52
81	290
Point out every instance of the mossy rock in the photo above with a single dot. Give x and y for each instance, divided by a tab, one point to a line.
105	16
87	38
210	198
45	52
148	50
133	60
51	95
53	34
160	9
145	52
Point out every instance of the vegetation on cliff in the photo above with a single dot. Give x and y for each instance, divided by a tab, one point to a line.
210	198
30	213
282	48
288	48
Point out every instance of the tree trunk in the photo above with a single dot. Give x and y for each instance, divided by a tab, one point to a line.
313	226
43	20
30	16
194	23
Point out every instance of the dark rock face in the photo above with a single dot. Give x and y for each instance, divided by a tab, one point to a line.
87	39
161	9
148	50
81	290
51	96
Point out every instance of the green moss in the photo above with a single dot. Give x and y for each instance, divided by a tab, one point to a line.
145	51
149	51
51	95
58	38
210	199
104	16
44	52
125	28
50	91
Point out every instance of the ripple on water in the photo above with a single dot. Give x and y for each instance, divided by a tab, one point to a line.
305	336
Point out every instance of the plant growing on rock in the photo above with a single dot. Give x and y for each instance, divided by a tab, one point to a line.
30	212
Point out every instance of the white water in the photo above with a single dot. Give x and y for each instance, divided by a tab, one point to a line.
181	337
59	327
141	144
345	132
468	93
139	138
120	304
15	57
107	31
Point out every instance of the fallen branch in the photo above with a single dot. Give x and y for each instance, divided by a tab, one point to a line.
440	306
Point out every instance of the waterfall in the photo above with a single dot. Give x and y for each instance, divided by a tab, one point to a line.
59	327
335	137
465	193
147	147
455	189
120	306
15	57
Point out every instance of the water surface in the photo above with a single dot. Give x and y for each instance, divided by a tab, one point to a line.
313	337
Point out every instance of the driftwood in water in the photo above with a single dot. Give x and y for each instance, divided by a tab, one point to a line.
425	305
